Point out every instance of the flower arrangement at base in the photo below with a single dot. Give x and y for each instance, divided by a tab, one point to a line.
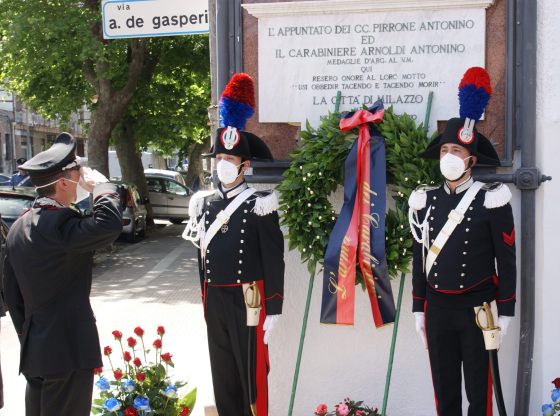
347	408
141	387
553	409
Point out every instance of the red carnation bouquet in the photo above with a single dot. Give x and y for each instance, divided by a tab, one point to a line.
140	387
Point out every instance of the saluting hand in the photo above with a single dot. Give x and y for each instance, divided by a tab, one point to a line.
90	177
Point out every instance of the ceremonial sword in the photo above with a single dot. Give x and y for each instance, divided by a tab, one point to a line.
252	301
492	331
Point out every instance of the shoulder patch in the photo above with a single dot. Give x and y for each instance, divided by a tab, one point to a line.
418	197
266	203
497	195
196	204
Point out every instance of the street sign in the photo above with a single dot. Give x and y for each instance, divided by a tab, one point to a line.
146	18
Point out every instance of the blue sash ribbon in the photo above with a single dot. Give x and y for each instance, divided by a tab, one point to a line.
358	237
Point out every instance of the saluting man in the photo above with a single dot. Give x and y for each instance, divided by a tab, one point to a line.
48	276
241	259
464	255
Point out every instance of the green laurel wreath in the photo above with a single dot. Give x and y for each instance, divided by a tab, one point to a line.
317	169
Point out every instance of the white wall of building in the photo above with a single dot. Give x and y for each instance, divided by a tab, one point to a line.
341	362
351	361
546	364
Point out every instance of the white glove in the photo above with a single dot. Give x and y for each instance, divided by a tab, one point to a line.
268	326
503	323
421	327
89	178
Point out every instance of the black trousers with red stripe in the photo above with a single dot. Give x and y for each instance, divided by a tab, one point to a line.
226	323
454	339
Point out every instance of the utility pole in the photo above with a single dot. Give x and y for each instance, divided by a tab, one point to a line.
213	109
213	118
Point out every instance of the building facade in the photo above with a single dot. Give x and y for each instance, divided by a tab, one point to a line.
24	133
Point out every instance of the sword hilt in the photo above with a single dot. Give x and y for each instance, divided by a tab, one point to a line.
489	318
252	296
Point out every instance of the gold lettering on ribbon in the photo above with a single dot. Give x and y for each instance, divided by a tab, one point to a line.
344	253
373	259
336	287
374	218
367	190
365	236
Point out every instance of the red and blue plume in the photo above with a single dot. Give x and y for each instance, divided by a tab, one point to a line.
474	92
237	103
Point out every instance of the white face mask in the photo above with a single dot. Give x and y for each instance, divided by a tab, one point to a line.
227	171
452	167
81	193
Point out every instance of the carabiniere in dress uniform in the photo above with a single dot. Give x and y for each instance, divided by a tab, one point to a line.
463	261
241	261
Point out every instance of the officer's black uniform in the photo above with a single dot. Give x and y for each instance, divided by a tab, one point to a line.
48	276
477	264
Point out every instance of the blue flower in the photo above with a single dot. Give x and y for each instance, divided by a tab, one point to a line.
112	404
547	410
128	385
170	391
142	403
103	384
555	395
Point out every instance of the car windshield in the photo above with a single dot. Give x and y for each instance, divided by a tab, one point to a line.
14	206
175	188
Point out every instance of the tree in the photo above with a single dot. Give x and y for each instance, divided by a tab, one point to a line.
168	111
53	55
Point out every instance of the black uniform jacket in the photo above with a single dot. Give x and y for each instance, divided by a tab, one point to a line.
251	249
48	275
477	264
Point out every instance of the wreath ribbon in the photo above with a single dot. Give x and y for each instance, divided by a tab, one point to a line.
359	232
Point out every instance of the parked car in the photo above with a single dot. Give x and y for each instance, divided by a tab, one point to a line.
15	180
26	182
169	198
134	213
171	174
14	202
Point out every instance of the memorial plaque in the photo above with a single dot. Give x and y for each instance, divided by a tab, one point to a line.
396	56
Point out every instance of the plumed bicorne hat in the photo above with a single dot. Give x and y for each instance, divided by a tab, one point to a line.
474	92
237	105
59	157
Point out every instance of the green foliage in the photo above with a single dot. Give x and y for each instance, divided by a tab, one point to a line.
47	46
43	46
169	109
404	140
317	170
